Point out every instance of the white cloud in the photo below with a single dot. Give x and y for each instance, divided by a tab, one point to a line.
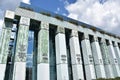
65	2
1	14
58	10
64	14
1	22
103	15
26	1
11	4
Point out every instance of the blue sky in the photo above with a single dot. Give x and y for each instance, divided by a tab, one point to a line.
56	6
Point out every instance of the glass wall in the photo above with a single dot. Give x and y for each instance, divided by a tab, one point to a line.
52	56
29	59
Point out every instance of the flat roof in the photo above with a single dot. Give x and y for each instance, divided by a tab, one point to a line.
64	18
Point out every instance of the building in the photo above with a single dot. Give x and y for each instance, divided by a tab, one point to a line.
63	48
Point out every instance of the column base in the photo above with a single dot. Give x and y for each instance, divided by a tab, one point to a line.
109	71
116	70
119	64
2	71
90	72
100	71
62	72
43	71
19	71
77	72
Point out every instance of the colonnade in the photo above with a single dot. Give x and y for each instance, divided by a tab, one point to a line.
91	57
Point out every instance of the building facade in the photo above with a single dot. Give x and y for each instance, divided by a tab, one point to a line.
63	48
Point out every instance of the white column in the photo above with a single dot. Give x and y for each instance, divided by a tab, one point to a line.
21	50
88	58
61	55
113	60
106	59
43	72
4	52
77	67
99	66
117	51
5	38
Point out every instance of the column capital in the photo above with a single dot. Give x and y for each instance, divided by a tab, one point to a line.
9	15
109	42
115	44
60	30
85	36
102	40
25	21
74	33
44	25
95	38
9	18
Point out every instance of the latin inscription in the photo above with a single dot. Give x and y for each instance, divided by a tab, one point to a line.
115	61
78	58
45	58
100	61
91	59
63	58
